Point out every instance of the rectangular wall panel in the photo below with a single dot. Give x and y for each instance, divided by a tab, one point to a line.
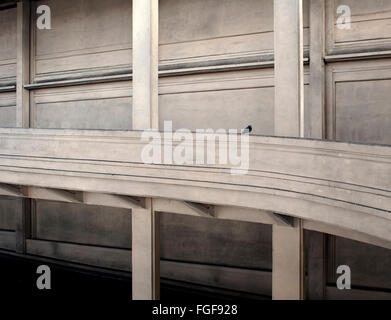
223	100
9	209
93	225
87	37
228	100
370	266
358	106
100	106
215	242
93	37
370	27
7	46
363	111
7	109
202	30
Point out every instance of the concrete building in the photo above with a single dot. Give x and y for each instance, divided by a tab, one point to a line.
81	79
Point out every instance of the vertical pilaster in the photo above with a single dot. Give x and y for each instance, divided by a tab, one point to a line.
315	128
288	275
145	253
23	64
316	265
289	69
288	252
145	64
23	225
315	115
145	222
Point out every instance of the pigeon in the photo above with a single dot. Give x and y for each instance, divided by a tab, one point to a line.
247	130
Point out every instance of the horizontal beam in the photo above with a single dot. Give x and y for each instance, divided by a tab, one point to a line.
10	190
201	209
112	200
88	198
358	56
77	81
168	70
219	212
52	194
7	89
172	206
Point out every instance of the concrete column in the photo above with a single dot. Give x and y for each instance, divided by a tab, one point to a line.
145	64
145	222
145	253
288	257
288	275
23	64
289	71
315	114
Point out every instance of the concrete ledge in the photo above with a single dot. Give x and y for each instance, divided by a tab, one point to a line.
339	184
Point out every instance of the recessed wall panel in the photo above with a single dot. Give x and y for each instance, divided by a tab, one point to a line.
87	37
102	106
95	225
7	46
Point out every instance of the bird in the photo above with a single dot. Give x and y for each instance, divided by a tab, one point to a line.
247	130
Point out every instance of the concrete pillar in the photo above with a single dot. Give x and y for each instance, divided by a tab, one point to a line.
288	257
23	64
289	71
315	127
145	222
288	275
145	64
145	253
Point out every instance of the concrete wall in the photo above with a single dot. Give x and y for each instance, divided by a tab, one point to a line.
198	37
358	110
231	99
7	66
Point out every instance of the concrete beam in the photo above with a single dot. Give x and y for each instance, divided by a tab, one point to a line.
145	253
10	190
145	64
219	212
172	206
52	194
112	200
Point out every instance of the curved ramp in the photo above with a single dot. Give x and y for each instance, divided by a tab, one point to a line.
339	185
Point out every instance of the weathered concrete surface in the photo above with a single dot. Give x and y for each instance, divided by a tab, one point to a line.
300	178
